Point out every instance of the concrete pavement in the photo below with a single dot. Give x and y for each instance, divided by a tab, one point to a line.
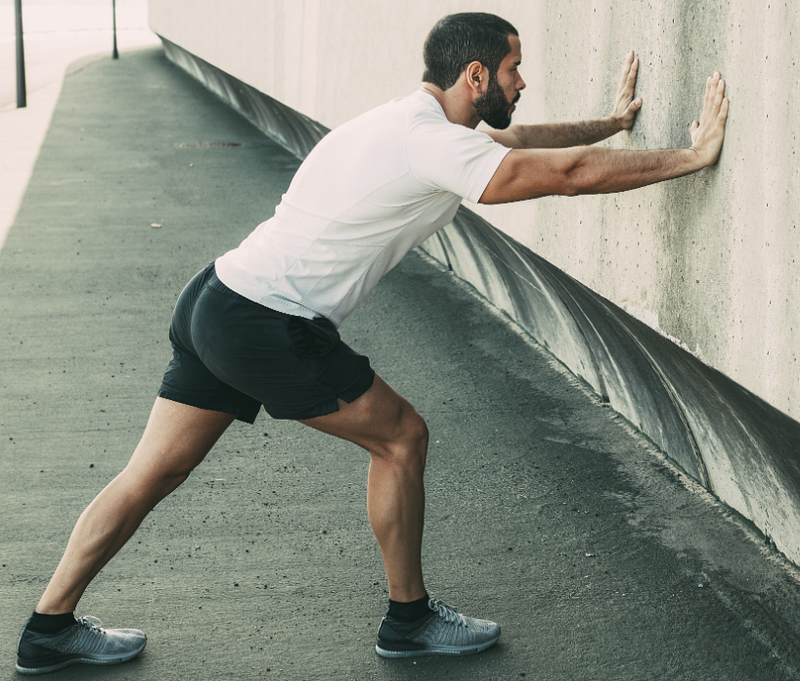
545	512
57	37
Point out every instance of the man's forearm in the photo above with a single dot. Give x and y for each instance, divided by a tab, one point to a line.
585	170
531	173
557	135
603	171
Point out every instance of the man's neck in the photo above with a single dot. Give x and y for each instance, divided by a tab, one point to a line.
456	104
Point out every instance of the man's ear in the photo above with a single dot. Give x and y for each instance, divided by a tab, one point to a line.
477	77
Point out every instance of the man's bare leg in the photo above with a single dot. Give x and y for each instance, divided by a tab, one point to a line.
388	427
176	439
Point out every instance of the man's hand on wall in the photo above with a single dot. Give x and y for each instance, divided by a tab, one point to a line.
625	106
708	133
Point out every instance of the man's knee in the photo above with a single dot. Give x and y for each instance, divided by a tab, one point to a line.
418	432
172	481
409	446
156	482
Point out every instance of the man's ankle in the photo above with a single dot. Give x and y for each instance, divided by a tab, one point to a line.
50	624
409	612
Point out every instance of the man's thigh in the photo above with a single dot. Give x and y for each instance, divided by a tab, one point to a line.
177	438
378	418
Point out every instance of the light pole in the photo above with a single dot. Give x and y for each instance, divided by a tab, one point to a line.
22	99
115	53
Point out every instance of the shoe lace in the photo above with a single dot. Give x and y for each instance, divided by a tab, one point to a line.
91	623
447	612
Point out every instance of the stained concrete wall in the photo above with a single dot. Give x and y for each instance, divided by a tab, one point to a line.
710	260
706	261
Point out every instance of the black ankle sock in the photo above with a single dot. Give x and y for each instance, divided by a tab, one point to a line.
50	624
409	612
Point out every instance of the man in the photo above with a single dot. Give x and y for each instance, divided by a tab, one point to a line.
259	326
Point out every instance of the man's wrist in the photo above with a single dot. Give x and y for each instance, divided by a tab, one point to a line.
615	123
696	158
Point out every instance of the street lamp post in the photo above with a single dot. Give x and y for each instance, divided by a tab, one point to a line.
115	53
22	99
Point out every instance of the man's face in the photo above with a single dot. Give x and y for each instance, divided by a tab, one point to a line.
498	102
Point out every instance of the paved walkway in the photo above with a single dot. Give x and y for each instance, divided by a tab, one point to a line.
59	36
545	513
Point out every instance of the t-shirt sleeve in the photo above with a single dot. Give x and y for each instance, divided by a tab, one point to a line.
454	158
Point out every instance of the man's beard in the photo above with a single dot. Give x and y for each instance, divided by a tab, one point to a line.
492	106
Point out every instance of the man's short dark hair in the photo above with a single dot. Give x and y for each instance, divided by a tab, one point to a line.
460	39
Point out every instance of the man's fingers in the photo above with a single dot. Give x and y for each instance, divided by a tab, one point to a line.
626	66
711	85
708	95
723	112
707	133
632	75
720	94
629	68
713	98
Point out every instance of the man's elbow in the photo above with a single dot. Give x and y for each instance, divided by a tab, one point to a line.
566	183
493	195
571	186
578	181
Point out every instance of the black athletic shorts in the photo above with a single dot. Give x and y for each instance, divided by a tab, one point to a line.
232	355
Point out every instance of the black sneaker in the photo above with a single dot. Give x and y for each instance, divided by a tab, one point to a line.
443	631
83	642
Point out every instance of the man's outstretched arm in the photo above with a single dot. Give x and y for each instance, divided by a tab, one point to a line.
532	173
562	135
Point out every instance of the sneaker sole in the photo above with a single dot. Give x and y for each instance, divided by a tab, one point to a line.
79	660
438	650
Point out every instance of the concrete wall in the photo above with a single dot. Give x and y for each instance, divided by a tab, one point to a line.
707	261
710	260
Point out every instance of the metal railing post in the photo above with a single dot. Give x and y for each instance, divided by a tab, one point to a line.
22	98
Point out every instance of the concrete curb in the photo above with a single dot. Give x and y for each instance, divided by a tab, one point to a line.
728	439
291	129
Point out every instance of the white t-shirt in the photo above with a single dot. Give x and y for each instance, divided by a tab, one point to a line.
368	193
